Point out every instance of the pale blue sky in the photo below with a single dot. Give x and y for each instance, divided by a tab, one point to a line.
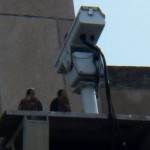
125	40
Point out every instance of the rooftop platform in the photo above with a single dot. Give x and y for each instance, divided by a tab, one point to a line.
79	130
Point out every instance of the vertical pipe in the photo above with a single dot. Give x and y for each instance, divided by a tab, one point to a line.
89	99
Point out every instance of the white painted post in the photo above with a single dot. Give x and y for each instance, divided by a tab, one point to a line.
89	99
35	134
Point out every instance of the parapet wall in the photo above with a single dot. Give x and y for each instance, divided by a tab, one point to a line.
130	88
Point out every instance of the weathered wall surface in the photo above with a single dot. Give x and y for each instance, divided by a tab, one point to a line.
31	33
130	88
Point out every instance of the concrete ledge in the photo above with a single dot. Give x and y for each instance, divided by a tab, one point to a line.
47	8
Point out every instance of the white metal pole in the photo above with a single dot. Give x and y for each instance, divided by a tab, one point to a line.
89	99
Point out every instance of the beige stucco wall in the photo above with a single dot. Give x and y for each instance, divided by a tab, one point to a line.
31	33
